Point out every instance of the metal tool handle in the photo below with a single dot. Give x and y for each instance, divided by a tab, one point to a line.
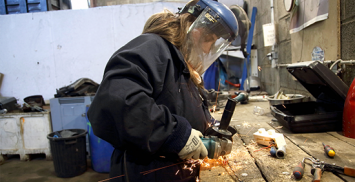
317	174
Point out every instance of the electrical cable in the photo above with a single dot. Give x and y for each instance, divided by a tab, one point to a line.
337	61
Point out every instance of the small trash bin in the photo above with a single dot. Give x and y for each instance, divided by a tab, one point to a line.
68	149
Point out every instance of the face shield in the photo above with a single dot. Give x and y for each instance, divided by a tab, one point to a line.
243	25
207	38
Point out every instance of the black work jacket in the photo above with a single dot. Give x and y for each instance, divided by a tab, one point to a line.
145	107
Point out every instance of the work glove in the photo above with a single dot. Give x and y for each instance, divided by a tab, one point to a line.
194	148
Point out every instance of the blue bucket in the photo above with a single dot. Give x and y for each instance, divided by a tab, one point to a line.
100	151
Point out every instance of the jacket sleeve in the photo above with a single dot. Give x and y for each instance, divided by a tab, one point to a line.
124	111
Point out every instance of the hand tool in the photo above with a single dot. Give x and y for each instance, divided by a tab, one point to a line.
218	138
340	170
318	167
217	146
298	171
241	97
329	150
317	170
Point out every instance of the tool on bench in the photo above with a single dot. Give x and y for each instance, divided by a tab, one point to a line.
278	152
241	97
318	167
329	150
218	138
273	151
299	169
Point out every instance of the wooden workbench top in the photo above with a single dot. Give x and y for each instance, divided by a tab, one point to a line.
248	163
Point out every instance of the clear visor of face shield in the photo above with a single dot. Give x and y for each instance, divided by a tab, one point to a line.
207	37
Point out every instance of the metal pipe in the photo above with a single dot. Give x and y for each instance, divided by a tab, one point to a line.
337	61
282	65
281	152
348	62
273	53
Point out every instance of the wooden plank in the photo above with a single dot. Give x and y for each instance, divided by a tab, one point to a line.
258	164
215	174
311	143
241	166
272	168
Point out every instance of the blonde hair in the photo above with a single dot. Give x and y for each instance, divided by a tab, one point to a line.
173	28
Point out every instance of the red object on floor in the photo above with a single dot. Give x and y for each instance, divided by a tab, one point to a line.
349	113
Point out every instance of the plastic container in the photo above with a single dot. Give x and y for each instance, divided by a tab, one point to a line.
258	111
22	6
100	152
70	113
323	115
25	133
349	114
69	153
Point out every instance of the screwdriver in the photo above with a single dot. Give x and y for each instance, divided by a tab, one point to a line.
299	170
329	150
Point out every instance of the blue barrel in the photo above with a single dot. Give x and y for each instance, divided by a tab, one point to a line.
100	152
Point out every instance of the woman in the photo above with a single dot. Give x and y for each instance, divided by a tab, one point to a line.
150	105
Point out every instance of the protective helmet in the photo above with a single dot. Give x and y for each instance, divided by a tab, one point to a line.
210	34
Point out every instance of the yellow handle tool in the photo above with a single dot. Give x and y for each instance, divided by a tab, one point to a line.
329	150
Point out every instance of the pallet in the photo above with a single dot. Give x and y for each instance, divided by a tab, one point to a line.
24	157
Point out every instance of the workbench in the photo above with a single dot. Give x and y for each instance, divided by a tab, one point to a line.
248	160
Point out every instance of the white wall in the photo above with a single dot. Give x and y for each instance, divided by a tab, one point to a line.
42	52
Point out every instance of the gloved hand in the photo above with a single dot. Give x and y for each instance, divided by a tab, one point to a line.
194	148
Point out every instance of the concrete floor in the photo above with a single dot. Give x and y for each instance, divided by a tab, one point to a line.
38	169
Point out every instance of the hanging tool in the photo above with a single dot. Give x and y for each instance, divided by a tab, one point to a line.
329	150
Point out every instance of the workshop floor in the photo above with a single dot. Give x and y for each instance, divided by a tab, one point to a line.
249	162
38	169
